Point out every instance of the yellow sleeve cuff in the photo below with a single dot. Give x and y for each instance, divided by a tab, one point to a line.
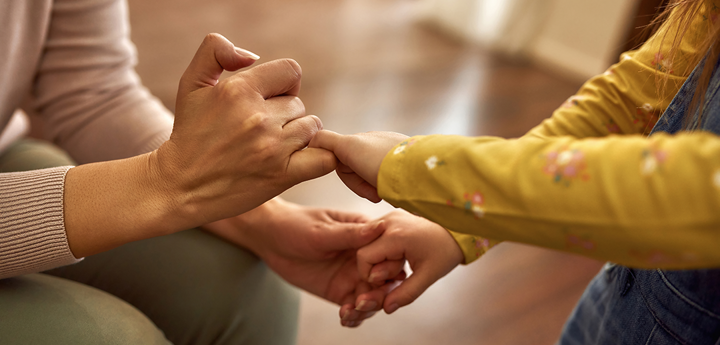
472	246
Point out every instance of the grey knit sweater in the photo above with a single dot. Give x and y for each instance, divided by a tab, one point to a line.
71	63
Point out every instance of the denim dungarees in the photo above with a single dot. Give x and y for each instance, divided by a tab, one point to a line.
638	307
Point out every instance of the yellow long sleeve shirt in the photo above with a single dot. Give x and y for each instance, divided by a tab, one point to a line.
588	180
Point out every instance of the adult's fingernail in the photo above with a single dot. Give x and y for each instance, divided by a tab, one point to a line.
392	308
377	277
366	305
247	53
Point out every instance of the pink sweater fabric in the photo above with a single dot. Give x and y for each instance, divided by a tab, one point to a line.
71	63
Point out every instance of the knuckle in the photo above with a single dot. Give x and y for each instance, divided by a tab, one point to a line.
397	215
318	122
362	254
234	88
259	122
225	91
294	66
267	147
399	234
257	118
307	128
212	38
297	105
317	235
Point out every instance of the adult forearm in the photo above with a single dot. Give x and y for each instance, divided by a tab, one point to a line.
111	203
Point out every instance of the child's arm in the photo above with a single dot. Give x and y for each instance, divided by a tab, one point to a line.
429	249
637	201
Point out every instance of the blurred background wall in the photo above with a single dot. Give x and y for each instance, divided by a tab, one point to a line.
468	67
576	38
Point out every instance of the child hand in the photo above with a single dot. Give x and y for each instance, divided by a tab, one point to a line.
360	156
429	249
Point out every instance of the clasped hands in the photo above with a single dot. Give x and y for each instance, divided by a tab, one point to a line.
239	142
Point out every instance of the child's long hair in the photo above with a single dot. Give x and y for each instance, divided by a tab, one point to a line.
680	14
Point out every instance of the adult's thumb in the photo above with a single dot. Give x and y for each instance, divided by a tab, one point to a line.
345	236
216	53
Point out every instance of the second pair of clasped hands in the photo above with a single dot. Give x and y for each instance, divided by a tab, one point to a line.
236	144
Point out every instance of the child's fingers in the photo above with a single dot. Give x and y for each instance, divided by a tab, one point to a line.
408	291
385	270
377	252
356	183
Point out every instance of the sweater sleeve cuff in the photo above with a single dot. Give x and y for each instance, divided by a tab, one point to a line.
32	225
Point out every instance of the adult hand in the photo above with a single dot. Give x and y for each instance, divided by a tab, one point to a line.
240	141
311	248
235	144
360	156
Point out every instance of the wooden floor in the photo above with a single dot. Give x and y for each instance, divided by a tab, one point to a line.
368	65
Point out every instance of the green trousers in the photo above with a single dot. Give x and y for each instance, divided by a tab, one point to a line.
185	288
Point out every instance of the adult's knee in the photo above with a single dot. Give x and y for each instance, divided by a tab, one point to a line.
41	309
197	288
228	296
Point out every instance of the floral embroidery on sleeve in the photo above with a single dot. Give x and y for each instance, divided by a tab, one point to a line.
662	64
574	241
472	203
565	165
403	145
573	101
433	162
612	127
482	245
652	160
646	117
582	242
